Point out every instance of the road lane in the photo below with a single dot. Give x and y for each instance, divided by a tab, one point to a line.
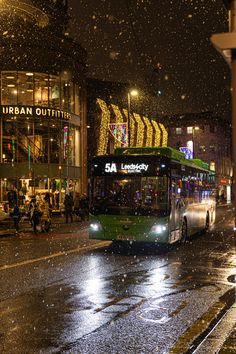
76	302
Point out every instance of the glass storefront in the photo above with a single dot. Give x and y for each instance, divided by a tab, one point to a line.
37	89
37	131
40	140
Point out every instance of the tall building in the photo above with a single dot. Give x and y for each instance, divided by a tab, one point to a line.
42	104
206	137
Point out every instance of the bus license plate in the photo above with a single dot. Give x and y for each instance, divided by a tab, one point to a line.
125	237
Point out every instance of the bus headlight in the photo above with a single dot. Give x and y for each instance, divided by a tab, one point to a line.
158	229
95	226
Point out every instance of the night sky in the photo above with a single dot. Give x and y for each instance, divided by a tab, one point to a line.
164	44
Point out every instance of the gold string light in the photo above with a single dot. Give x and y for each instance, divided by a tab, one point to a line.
164	135
157	133
103	133
132	126
138	126
149	132
140	130
119	119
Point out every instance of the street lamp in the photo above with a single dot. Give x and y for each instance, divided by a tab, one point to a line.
193	137
130	93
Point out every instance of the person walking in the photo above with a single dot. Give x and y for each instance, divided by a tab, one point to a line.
35	217
31	209
76	204
44	208
84	207
68	203
16	214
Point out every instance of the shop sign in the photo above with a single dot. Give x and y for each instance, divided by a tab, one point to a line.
32	111
224	181
126	168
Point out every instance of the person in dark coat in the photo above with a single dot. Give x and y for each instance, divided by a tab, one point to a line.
16	214
36	215
84	207
68	203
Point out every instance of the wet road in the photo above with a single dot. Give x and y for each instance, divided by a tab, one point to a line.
61	295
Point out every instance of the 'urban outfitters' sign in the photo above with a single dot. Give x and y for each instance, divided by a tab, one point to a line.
33	111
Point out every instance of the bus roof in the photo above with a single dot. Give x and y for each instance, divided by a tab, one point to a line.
170	152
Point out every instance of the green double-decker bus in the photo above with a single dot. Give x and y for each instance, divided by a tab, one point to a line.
150	195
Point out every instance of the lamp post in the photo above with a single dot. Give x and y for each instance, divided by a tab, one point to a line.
130	93
193	137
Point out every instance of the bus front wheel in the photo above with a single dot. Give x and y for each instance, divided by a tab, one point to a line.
184	231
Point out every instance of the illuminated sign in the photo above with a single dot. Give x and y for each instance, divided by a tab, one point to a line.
119	131
26	111
224	181
187	152
126	168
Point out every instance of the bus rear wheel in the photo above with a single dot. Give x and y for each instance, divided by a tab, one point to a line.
184	231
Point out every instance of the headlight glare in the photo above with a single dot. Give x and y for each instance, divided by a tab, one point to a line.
158	229
95	226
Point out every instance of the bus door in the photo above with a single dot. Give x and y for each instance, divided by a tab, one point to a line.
176	212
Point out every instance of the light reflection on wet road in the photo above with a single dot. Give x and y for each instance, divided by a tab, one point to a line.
101	301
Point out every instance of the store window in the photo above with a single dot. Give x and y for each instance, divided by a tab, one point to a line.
202	148
25	88
212	148
212	166
28	89
178	131
9	88
41	89
189	130
9	140
54	91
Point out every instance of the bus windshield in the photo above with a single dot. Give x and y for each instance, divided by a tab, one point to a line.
131	195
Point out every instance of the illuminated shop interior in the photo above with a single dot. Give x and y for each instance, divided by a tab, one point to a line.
40	134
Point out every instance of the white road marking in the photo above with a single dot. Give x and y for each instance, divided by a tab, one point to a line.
58	254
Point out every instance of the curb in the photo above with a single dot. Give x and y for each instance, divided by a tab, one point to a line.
192	338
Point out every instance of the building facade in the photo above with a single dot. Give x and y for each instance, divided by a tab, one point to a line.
43	129
108	115
208	138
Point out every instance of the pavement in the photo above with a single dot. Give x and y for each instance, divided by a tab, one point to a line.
227	324
58	225
229	345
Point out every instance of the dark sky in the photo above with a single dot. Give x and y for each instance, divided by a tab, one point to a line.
164	43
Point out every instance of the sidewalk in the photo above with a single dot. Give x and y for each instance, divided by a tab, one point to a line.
58	226
229	345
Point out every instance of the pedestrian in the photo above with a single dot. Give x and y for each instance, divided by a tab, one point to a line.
16	214
35	217
84	207
44	208
76	204
31	209
68	203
